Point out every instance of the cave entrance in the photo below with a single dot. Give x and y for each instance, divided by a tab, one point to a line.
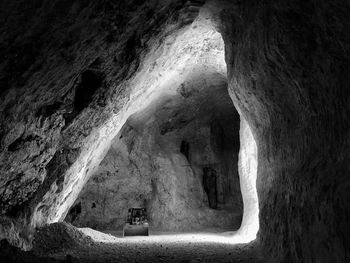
178	157
179	121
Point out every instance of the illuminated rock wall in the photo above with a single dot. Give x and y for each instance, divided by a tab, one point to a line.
158	161
286	63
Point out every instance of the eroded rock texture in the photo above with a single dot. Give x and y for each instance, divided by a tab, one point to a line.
287	64
178	158
64	70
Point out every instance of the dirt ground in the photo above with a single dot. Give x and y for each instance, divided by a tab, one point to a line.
68	244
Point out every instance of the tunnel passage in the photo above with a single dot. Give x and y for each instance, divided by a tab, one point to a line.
167	70
287	64
178	158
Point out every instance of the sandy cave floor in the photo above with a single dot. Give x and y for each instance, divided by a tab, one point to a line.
65	243
158	247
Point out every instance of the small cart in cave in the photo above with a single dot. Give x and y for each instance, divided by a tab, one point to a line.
136	223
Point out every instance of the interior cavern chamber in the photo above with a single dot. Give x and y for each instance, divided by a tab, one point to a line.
189	75
178	158
287	73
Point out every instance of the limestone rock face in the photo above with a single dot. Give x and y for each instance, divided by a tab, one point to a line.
159	160
286	64
63	73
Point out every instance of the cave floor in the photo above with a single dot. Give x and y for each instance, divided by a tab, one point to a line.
158	247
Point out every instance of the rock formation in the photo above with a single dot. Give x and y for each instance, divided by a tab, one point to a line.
73	72
178	158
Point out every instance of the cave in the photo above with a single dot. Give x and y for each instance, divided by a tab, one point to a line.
178	157
227	120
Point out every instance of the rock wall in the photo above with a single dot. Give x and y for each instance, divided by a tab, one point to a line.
51	53
159	161
247	168
287	64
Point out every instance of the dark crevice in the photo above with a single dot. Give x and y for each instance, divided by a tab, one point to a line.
48	110
185	149
210	186
91	81
20	142
75	211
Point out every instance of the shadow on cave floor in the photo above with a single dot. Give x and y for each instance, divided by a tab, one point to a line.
65	243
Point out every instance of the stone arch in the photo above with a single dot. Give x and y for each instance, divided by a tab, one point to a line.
287	64
196	53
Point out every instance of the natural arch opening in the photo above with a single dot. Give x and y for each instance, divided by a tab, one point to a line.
194	52
178	157
74	72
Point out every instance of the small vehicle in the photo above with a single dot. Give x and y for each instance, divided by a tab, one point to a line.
136	223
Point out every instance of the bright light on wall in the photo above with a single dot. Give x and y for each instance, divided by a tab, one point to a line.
247	169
